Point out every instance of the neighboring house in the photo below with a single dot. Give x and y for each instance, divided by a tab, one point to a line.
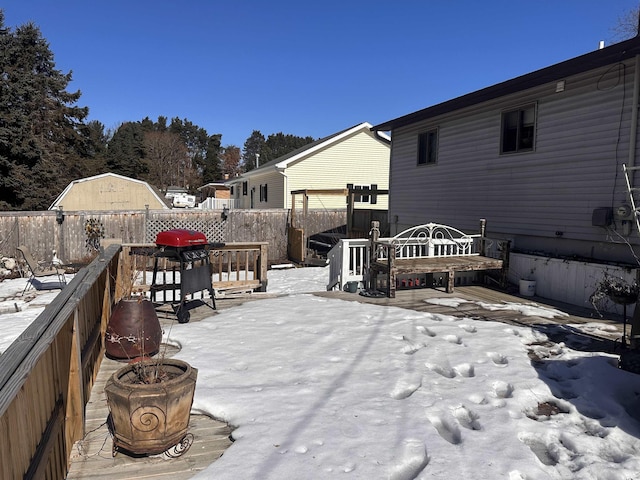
108	191
216	196
215	190
356	156
540	157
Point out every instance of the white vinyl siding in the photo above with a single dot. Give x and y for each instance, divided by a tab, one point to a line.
272	182
359	159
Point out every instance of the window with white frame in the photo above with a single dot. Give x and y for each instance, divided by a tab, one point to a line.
263	192
518	129
428	147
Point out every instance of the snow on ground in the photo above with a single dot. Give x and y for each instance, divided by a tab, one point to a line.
17	311
320	388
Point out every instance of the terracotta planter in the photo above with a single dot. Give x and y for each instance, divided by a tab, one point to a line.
151	418
133	330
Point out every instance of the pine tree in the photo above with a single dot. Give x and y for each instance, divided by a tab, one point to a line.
126	151
41	136
279	144
212	165
253	150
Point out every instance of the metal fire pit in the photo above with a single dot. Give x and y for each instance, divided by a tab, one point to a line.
189	250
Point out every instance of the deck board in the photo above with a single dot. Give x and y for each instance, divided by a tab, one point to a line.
92	457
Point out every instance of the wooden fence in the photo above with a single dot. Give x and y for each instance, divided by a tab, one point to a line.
46	231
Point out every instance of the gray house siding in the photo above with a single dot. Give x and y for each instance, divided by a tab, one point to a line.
541	200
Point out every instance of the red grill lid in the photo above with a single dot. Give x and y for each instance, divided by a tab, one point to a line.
180	238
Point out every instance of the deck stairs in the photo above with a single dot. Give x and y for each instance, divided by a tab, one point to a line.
348	262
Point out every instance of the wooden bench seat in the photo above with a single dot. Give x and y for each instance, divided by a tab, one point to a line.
426	249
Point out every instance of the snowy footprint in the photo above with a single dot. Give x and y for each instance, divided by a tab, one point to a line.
446	428
502	389
546	455
412	347
512	332
455	339
444	370
498	359
414	460
467	418
468	328
465	370
406	387
426	331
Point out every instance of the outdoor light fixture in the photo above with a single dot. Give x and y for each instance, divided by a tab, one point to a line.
225	213
60	215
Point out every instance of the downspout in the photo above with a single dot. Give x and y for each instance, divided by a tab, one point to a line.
633	134
286	188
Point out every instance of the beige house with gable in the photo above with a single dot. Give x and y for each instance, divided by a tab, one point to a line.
356	156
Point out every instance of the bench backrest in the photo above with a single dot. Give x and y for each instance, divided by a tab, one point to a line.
431	240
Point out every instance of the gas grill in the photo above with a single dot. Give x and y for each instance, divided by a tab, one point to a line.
188	252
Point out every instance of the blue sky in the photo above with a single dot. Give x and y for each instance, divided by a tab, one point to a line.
301	67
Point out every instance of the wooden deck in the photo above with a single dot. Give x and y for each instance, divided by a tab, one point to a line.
92	458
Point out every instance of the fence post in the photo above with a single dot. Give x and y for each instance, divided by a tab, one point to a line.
146	222
483	229
371	275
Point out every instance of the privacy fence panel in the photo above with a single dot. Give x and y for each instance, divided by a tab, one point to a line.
46	231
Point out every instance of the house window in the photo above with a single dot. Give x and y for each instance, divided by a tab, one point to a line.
518	129
231	190
263	193
428	147
244	188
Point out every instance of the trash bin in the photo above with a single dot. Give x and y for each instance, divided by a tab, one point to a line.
351	287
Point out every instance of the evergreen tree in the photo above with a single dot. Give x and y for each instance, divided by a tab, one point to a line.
212	166
42	147
279	144
126	151
148	125
95	147
253	151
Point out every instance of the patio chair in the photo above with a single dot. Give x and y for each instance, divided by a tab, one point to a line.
40	269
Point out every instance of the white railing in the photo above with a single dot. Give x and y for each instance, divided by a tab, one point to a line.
428	240
211	203
348	262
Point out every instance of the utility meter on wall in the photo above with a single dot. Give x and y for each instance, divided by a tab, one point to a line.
624	212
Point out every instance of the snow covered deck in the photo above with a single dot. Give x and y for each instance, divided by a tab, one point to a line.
91	457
